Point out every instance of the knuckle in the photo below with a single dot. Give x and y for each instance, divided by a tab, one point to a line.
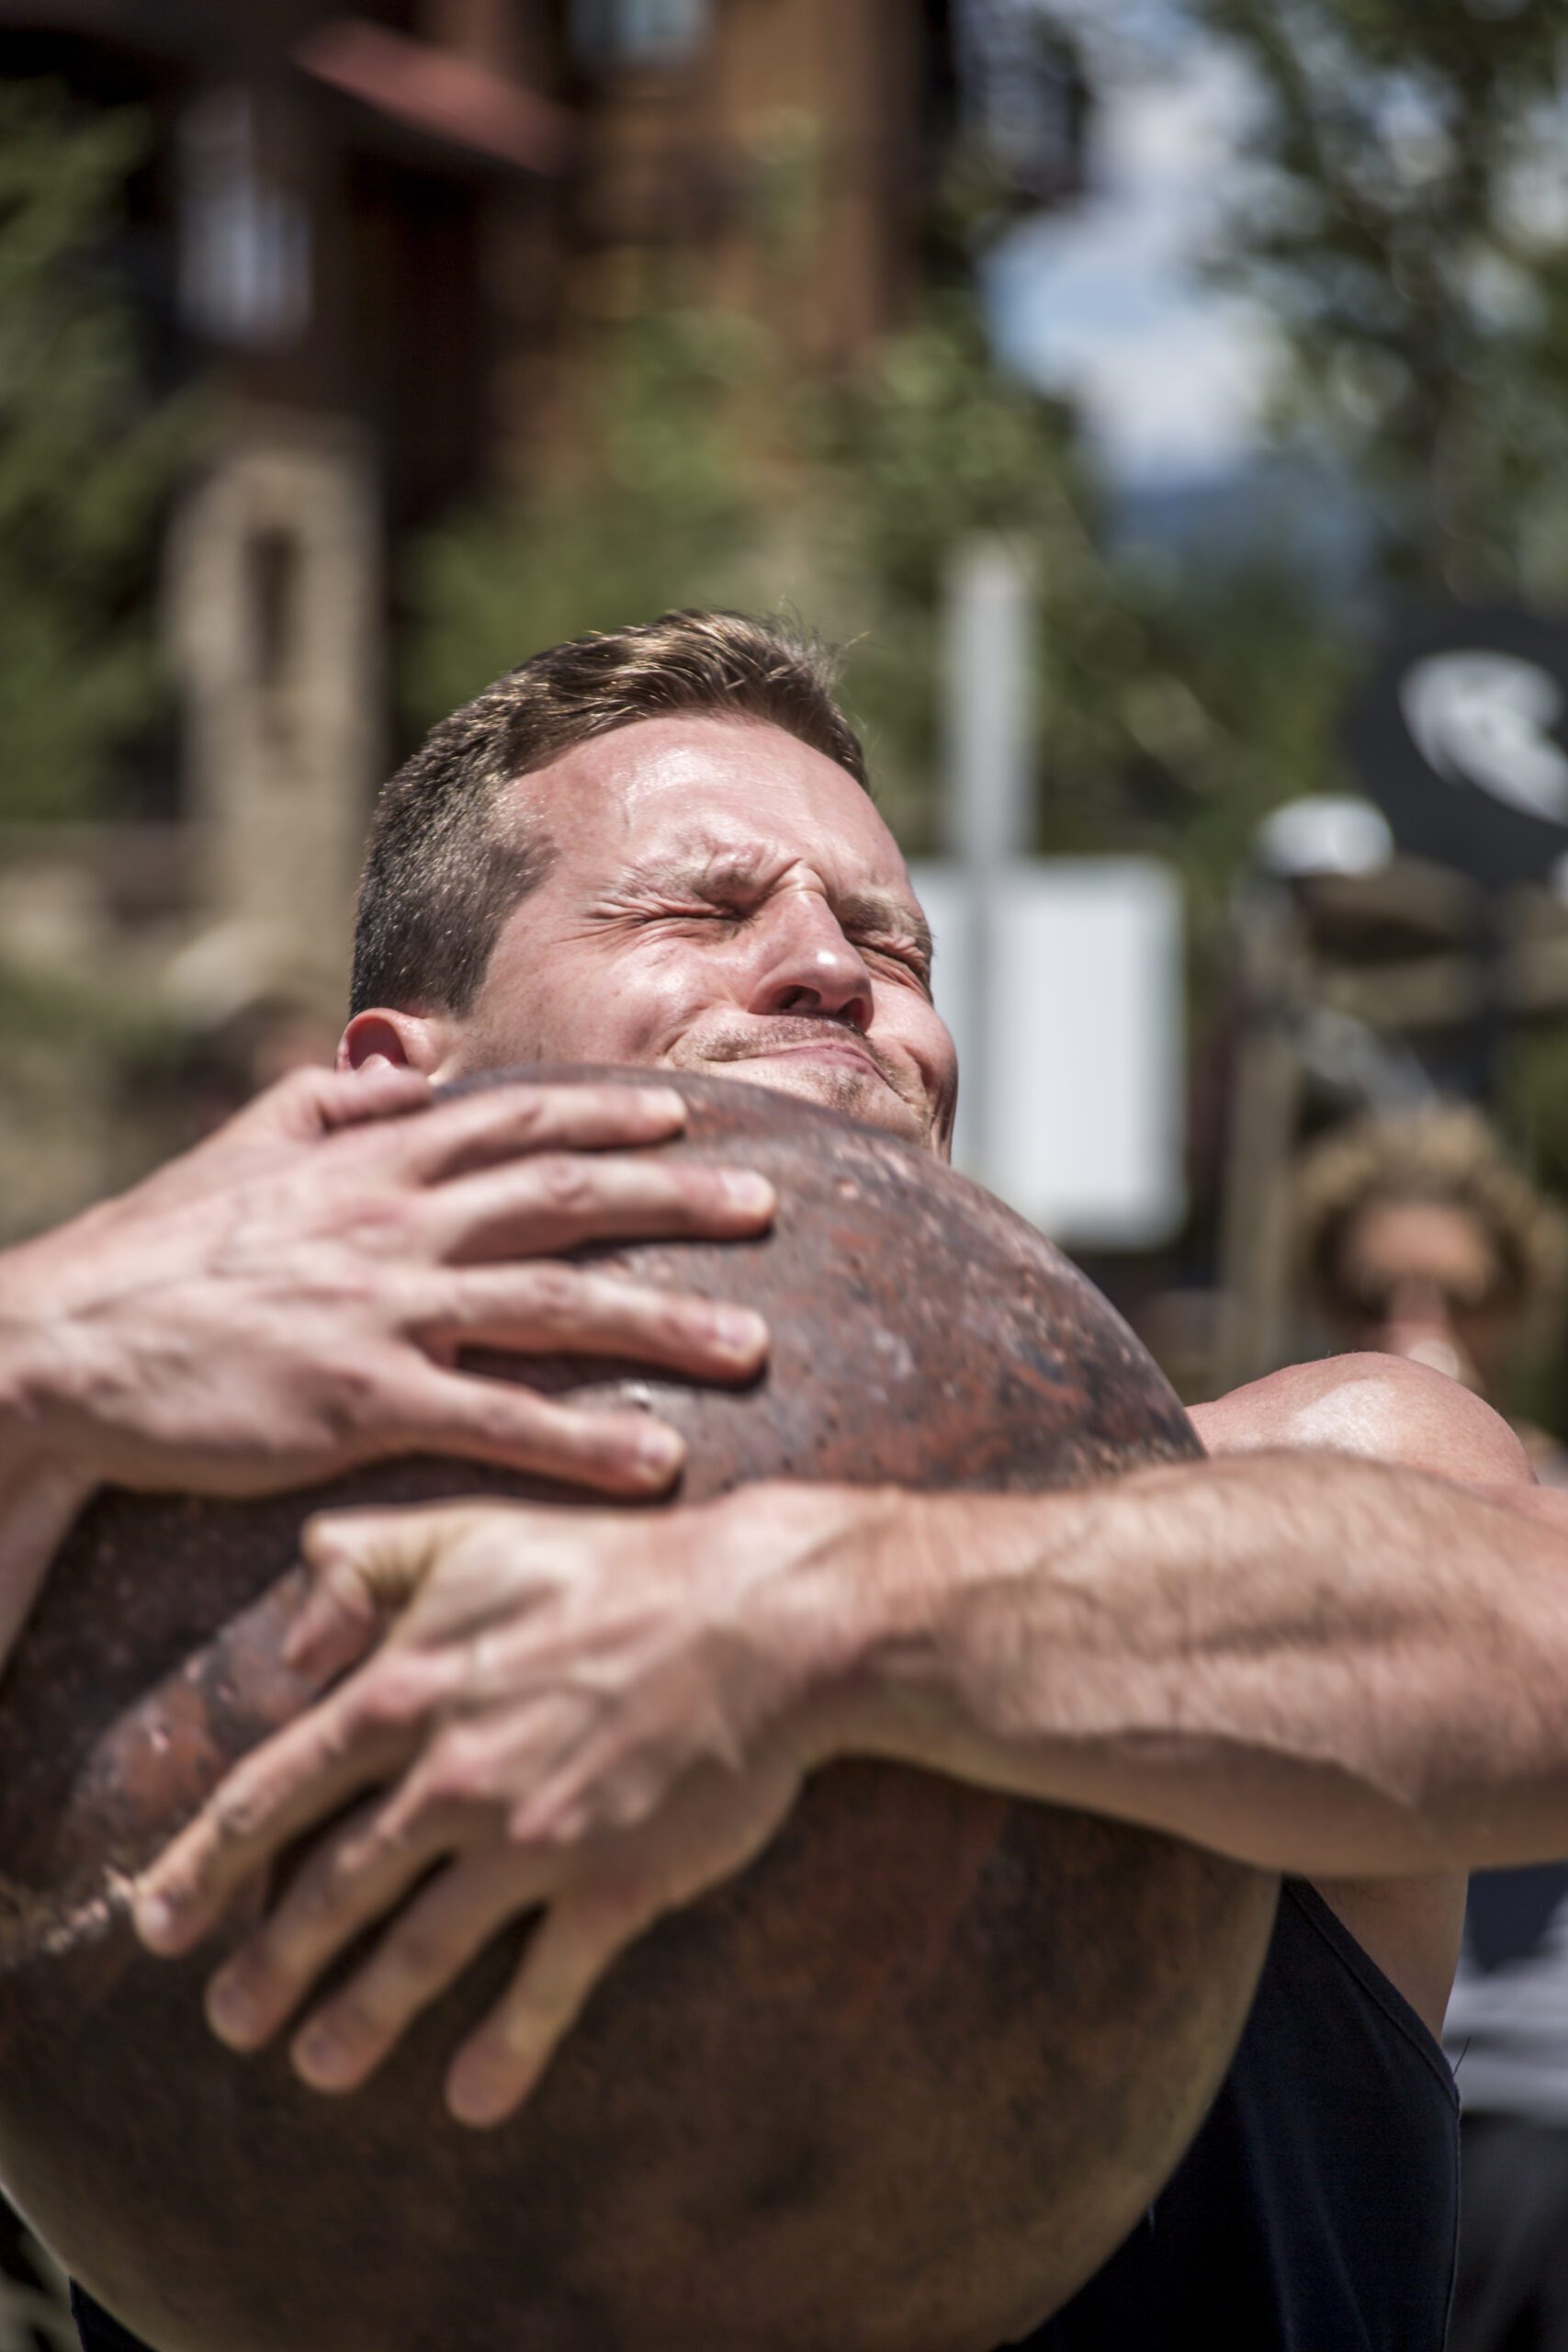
531	1113
514	1418
397	1692
361	1853
676	1325
556	1294
627	1804
237	1816
315	1895
539	2003
610	1907
347	1398
565	1182
307	1088
419	1956
457	1774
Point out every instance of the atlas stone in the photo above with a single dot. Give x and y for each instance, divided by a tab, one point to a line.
900	2087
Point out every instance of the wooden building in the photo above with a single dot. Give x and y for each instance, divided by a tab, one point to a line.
390	244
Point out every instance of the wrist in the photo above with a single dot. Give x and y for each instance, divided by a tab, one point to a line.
856	1613
967	1612
33	1413
42	1487
40	1498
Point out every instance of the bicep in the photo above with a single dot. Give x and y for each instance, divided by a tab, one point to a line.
1381	1408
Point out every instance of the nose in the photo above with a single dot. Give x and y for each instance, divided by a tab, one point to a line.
808	965
1420	1299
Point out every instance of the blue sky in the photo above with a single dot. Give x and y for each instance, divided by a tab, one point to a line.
1105	300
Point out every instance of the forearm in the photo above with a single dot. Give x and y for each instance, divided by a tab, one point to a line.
41	1487
1314	1663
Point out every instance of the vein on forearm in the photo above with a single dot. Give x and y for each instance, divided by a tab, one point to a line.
1319	1664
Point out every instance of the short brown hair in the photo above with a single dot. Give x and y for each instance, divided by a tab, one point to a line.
442	874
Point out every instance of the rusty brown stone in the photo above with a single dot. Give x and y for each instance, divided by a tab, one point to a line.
899	2089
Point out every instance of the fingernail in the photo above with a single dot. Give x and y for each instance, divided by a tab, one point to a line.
231	2010
660	1453
662	1103
748	1192
480	2102
739	1333
156	1920
320	2057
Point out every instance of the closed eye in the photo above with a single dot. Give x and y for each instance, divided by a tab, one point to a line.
908	954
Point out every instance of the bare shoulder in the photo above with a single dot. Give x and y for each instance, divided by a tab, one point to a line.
1411	1928
1379	1407
1385	1409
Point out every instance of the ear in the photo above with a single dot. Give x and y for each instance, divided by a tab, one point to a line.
400	1040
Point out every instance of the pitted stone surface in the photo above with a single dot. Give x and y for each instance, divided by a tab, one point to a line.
899	2089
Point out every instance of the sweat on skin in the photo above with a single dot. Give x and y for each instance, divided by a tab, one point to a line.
1344	1667
1246	1654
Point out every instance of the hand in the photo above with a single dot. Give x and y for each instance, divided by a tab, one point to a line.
291	1298
595	1716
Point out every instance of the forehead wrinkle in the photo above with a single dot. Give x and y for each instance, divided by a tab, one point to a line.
703	860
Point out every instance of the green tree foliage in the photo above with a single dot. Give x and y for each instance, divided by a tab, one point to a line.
663	513
1404	216
1405	220
84	461
716	476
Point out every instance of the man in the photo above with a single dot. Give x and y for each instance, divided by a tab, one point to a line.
657	848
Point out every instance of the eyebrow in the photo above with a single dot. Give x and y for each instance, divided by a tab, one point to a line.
708	873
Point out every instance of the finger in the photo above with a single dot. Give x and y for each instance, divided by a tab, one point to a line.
364	1566
573	1945
475	1131
355	1876
541	1308
422	1954
351	1097
313	1103
302	1775
558	1201
480	1419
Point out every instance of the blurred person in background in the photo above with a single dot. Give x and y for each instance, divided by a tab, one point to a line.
1418	1237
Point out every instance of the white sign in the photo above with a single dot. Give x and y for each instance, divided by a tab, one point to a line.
1072	1081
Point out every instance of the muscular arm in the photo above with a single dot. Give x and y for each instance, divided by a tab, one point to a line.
292	1298
1324	1665
1337	1666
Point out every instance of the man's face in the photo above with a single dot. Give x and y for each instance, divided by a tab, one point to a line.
723	898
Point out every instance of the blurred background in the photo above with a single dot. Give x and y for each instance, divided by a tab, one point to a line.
1167	403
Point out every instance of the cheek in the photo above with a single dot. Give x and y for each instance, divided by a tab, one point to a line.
925	1035
586	1006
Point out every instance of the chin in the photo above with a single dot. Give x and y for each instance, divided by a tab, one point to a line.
839	1086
